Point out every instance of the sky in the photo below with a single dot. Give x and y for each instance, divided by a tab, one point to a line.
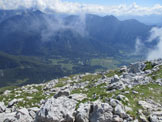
118	2
101	7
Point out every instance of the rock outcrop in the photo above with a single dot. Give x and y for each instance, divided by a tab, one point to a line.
57	110
82	113
101	112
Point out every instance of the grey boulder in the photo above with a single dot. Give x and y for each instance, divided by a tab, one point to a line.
119	110
2	107
101	112
136	67
62	93
82	114
57	110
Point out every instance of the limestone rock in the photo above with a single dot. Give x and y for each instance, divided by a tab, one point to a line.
33	111
146	105
114	102
123	69
22	115
116	118
7	92
118	85
115	79
57	110
62	93
119	110
82	114
12	102
78	97
2	107
7	117
143	118
156	116
101	112
122	98
136	67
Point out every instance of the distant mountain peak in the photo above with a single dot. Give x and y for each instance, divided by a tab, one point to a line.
111	17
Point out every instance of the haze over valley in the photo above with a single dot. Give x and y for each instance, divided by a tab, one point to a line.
39	40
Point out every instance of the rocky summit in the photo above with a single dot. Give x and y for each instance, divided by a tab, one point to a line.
129	94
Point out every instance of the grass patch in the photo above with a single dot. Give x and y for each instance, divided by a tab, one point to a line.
113	72
36	97
148	65
63	62
94	92
149	91
60	84
77	91
91	77
107	63
157	75
7	88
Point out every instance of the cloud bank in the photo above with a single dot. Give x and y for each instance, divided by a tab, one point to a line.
58	23
156	33
155	39
139	46
74	7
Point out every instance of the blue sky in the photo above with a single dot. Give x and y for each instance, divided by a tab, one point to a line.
117	2
100	7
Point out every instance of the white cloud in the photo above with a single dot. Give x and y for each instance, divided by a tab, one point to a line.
54	26
139	46
156	33
156	51
73	7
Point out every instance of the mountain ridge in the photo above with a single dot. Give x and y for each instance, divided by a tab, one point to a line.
69	44
107	23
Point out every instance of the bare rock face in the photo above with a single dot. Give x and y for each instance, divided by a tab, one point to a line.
114	102
7	117
82	114
78	97
119	110
33	111
118	85
115	79
62	93
116	118
136	67
101	112
156	116
2	107
95	112
14	101
150	105
57	110
22	115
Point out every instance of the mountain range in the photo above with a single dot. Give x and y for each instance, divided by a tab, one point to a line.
56	45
